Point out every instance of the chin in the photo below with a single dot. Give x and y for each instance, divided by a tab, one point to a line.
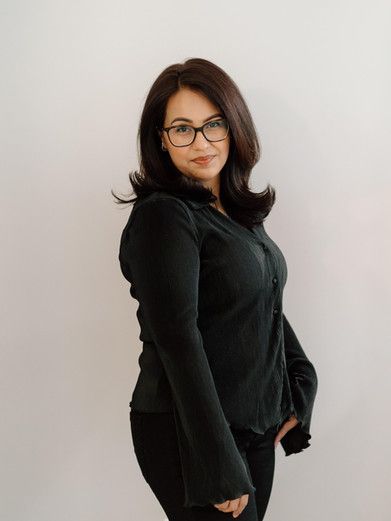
205	176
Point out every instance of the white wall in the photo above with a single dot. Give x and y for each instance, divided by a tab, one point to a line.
316	76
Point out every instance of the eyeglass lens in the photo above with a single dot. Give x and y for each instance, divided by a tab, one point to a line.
184	134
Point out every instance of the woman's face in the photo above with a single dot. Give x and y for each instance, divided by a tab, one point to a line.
197	110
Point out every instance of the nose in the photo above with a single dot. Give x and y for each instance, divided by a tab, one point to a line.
200	141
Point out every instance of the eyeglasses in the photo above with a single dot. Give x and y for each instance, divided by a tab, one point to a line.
184	135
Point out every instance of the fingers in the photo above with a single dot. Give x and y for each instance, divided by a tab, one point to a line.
287	426
228	506
281	433
221	506
236	506
242	505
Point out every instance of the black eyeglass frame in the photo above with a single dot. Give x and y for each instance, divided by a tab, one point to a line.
196	129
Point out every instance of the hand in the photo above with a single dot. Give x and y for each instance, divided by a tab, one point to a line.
287	426
236	506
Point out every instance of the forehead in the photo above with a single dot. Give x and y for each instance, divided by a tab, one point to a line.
189	104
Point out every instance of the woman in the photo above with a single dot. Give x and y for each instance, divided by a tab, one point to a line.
223	376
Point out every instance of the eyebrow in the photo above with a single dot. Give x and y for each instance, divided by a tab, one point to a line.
190	121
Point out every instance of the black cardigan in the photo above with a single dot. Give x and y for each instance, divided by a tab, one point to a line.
218	351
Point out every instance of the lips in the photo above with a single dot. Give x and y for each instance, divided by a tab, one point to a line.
203	159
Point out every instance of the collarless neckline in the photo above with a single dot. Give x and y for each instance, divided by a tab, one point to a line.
250	233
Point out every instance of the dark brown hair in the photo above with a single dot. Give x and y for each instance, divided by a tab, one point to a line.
158	172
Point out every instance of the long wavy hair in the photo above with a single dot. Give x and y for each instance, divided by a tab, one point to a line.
158	172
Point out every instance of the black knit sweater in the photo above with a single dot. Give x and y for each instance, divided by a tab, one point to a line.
218	351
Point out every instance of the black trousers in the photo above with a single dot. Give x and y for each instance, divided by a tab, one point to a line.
156	449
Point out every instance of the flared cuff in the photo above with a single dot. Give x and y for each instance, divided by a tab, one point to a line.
296	439
212	473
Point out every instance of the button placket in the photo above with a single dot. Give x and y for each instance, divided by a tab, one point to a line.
276	309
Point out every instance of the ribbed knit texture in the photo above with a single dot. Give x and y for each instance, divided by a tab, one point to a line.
218	351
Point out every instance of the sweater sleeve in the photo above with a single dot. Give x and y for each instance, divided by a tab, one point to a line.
160	255
303	383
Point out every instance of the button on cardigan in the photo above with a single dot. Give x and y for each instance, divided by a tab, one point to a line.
217	349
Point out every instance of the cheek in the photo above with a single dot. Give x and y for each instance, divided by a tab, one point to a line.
177	157
225	151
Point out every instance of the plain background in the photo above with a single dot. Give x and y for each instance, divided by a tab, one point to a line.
316	76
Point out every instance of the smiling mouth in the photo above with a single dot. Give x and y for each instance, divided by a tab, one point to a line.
204	161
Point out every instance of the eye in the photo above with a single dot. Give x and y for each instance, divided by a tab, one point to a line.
181	129
215	124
